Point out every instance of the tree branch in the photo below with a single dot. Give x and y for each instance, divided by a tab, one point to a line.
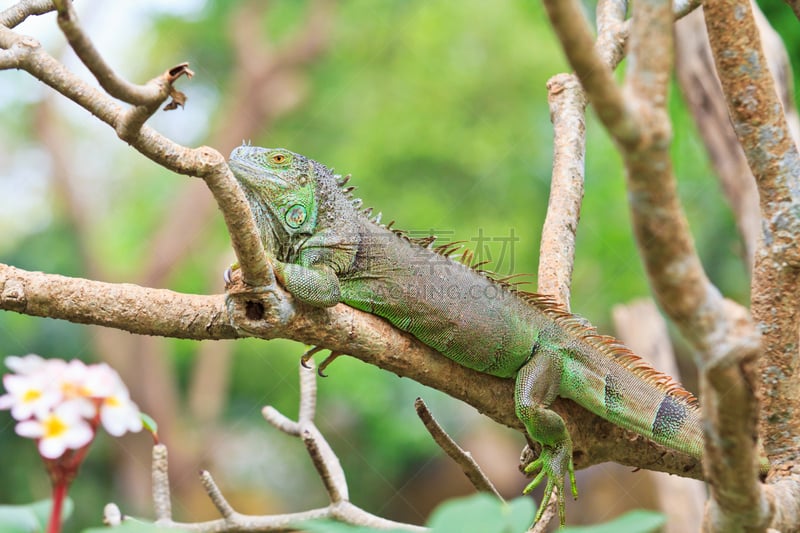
26	53
461	457
323	457
703	94
273	314
137	95
719	330
602	92
761	128
17	13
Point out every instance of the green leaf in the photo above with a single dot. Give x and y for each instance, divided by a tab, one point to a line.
29	518
332	526
639	521
132	526
149	423
482	513
521	512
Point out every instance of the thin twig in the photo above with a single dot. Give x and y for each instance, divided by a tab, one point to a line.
549	514
325	461
462	457
215	495
162	503
137	95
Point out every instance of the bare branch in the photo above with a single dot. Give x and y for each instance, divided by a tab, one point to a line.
204	162
327	464
147	95
215	495
557	248
758	119
703	94
762	130
462	457
719	330
341	328
325	461
16	14
122	306
573	31
650	58
162	503
611	31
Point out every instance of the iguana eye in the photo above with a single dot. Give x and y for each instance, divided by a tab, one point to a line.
295	216
278	159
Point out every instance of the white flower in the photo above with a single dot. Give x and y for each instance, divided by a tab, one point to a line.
28	395
118	413
48	394
61	429
27	364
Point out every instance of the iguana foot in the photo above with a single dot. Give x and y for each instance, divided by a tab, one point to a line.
325	362
554	463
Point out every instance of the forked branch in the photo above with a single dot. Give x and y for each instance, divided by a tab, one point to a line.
323	458
25	53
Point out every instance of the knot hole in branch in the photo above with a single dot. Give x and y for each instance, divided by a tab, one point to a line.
254	310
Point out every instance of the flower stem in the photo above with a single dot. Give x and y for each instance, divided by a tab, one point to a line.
59	495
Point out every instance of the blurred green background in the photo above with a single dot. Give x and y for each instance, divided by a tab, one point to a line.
439	111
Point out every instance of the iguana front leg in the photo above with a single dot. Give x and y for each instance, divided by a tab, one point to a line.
312	277
316	285
536	388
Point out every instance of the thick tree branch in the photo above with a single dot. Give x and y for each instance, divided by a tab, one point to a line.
273	314
762	130
719	330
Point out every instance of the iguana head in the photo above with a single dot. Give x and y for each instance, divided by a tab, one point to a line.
281	188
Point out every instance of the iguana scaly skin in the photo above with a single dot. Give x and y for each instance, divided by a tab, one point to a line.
328	250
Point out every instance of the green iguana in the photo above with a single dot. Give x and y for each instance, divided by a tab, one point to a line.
327	249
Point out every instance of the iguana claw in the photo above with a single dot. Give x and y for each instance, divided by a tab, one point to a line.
227	276
553	463
325	362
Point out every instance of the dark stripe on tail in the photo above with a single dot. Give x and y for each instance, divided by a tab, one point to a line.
670	418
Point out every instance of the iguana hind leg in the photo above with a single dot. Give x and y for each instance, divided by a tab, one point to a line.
537	386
